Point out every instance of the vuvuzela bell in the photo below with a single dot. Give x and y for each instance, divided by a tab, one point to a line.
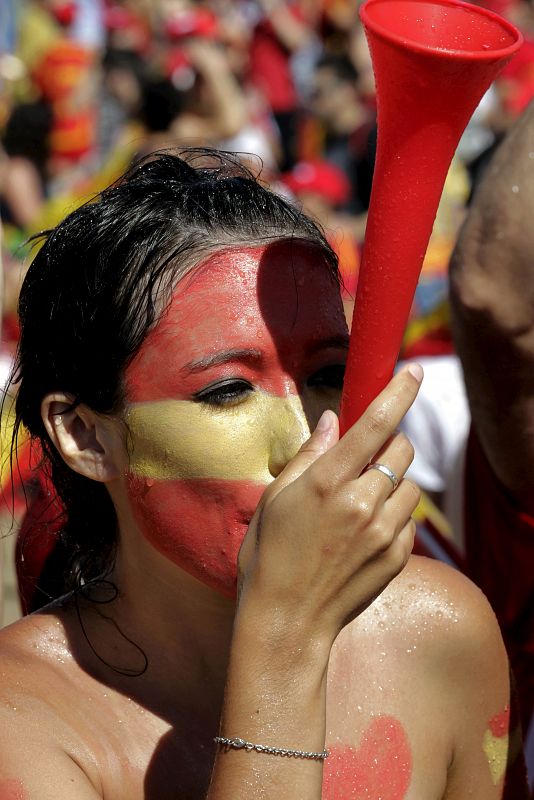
433	60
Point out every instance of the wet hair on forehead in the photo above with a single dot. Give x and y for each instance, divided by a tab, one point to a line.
102	277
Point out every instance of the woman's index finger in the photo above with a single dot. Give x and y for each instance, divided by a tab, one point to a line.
359	444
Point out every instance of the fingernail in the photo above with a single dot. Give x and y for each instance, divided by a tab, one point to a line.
325	421
417	371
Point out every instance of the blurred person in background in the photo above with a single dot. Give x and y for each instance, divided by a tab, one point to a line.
508	98
348	128
189	94
493	324
124	74
282	30
24	161
258	140
214	108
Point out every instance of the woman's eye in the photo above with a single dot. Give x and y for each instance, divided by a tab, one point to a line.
224	394
330	377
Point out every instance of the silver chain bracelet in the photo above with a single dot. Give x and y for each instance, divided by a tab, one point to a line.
241	744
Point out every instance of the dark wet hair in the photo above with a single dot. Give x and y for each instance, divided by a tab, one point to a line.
100	281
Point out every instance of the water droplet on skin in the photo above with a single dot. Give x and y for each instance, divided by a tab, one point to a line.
515	188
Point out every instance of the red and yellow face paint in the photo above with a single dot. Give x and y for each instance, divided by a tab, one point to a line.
223	392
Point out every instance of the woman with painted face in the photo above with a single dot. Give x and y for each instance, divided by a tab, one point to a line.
243	619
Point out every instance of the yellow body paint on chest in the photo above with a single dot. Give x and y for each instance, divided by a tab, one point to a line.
183	439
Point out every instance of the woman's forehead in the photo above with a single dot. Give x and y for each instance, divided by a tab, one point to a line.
280	282
278	301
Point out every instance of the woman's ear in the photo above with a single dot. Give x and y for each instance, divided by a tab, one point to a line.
91	444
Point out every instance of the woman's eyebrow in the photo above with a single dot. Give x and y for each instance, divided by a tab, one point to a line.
222	357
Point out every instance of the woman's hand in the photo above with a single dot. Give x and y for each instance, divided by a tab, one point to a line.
329	534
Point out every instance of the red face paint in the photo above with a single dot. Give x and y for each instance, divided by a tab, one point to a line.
263	328
381	767
12	789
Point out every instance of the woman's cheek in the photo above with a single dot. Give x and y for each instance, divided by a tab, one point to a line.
196	476
198	524
180	439
195	479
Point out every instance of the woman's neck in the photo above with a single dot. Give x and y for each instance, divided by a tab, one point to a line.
163	619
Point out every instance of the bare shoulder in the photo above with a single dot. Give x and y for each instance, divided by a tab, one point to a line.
427	661
38	674
444	610
433	621
428	586
30	642
37	687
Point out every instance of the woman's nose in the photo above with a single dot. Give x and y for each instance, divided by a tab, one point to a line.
288	434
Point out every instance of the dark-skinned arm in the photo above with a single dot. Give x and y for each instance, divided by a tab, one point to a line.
492	300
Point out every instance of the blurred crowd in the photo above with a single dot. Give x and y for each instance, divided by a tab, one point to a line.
89	86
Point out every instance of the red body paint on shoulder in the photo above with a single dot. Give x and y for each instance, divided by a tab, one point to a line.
380	767
500	723
12	789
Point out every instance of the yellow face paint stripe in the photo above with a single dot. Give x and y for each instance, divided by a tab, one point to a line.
182	439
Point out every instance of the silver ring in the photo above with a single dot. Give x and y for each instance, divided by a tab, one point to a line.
385	471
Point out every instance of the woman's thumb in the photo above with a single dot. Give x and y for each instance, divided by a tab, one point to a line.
325	435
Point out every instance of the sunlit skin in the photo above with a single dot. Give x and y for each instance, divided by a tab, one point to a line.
219	401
